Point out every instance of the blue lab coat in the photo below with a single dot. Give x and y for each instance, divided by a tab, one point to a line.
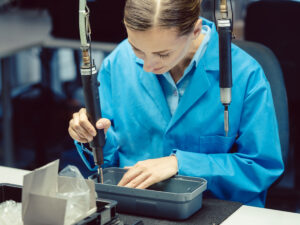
239	167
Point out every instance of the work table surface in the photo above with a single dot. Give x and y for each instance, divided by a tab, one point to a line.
213	211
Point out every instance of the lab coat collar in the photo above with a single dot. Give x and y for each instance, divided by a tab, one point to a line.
139	61
212	52
152	86
195	90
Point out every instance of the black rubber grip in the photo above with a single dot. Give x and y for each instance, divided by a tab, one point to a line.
225	57
92	101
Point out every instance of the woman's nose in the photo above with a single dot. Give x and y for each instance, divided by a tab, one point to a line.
149	64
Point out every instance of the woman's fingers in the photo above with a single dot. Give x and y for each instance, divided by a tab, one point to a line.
128	176
84	122
82	130
103	123
140	181
76	137
145	173
77	126
146	183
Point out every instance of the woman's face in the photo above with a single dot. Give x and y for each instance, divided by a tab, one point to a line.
161	49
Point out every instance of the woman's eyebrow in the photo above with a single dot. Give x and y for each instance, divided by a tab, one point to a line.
134	46
159	52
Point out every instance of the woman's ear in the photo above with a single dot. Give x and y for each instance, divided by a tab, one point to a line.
197	29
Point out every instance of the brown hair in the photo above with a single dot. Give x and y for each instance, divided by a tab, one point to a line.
142	15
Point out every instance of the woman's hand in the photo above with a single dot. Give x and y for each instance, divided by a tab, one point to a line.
145	173
80	128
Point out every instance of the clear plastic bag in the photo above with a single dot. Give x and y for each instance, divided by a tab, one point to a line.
76	192
11	213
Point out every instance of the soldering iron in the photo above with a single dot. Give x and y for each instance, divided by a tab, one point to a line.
224	26
91	87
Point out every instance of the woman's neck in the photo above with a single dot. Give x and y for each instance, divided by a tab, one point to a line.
178	70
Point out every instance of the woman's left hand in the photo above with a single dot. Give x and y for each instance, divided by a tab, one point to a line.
145	173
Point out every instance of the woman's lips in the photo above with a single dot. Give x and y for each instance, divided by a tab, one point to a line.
157	69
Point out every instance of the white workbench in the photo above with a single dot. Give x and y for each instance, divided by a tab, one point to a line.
247	215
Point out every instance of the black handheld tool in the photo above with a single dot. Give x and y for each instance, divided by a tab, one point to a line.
92	101
225	68
224	25
90	86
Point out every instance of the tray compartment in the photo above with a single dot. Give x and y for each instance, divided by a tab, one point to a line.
176	198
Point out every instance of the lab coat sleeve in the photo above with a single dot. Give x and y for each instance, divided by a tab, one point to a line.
245	174
110	150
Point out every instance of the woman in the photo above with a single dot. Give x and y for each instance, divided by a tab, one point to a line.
161	110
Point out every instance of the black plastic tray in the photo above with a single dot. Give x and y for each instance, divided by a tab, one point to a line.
176	198
105	214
